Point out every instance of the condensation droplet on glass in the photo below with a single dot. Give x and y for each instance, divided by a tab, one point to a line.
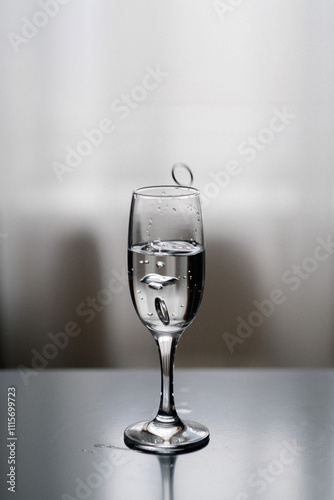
181	305
149	314
160	264
138	291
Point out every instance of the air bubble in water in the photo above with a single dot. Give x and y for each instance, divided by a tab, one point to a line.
157	282
149	314
155	286
160	264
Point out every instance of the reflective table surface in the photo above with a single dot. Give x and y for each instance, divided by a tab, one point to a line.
272	435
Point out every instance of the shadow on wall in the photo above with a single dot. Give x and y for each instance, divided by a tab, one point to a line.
46	331
230	288
2	343
78	279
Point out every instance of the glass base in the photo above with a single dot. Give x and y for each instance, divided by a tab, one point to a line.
155	437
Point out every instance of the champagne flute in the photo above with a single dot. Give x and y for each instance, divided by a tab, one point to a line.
166	265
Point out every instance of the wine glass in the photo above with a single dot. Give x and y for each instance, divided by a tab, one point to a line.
166	262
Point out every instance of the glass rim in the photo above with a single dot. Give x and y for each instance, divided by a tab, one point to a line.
185	191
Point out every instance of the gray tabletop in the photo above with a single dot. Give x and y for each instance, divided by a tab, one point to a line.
272	435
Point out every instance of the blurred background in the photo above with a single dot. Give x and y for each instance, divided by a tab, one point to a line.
99	98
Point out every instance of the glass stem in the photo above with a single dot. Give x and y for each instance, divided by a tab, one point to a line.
167	466
167	348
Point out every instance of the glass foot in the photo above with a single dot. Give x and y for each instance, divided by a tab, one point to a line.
158	438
